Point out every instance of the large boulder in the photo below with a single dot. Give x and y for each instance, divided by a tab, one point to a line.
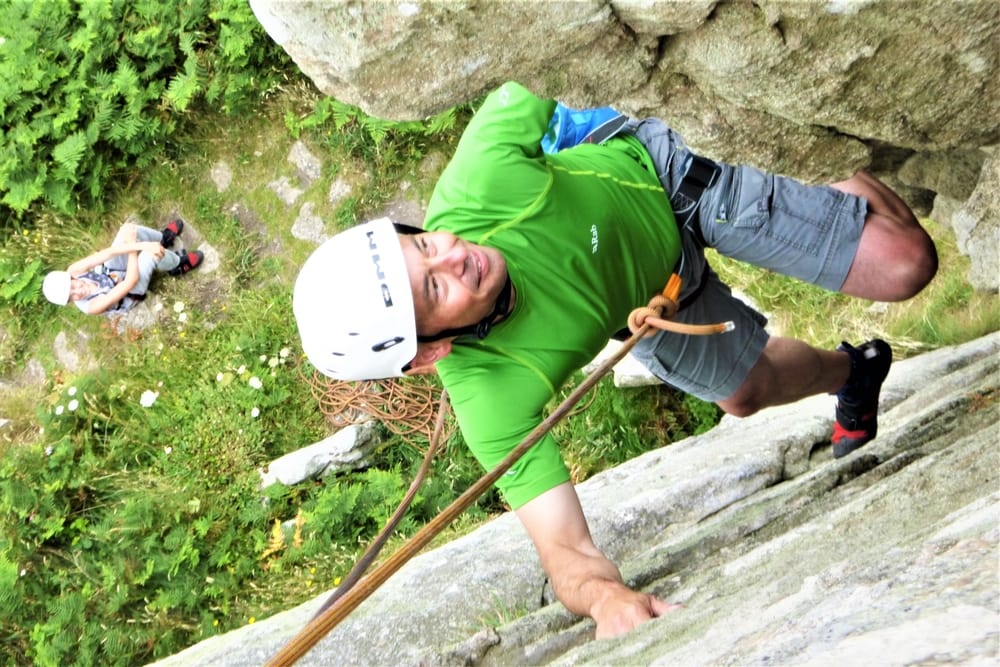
977	230
815	89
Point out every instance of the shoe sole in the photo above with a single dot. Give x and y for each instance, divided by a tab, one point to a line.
845	447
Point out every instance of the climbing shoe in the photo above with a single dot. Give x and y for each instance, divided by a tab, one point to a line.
857	401
171	232
189	260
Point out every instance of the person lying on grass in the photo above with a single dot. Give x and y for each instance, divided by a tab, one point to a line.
111	281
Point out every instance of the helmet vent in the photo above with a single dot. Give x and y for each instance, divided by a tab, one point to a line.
386	344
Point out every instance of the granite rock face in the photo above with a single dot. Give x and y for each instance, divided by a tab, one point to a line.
779	553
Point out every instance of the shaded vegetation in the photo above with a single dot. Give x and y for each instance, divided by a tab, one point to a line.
91	90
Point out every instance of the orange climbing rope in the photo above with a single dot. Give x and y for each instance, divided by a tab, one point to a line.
405	407
344	601
662	307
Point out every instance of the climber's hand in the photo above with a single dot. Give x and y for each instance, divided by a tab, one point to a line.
583	578
624	609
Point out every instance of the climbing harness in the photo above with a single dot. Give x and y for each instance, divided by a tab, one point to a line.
698	177
662	307
351	594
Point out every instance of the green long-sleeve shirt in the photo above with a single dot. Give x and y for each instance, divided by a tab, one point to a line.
588	235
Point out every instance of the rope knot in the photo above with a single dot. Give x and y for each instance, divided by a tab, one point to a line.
660	308
664	306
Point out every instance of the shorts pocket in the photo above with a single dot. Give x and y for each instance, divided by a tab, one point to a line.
755	199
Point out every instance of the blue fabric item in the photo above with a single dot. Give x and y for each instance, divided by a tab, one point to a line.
569	127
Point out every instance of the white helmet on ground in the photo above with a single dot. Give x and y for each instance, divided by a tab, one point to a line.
354	307
55	287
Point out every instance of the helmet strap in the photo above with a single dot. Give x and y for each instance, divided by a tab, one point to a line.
482	328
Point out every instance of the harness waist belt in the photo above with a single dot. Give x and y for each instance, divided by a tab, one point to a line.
701	174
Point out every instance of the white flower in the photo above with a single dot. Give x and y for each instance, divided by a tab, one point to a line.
241	370
255	382
59	409
73	405
168	449
182	317
255	413
71	391
272	362
284	352
23	572
148	398
48	451
263	358
179	307
218	377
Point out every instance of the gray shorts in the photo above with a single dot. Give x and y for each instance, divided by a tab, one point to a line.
147	263
808	232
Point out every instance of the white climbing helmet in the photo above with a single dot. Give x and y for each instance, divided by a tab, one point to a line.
354	307
55	287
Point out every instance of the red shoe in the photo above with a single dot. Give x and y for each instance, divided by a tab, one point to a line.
189	260
171	232
857	401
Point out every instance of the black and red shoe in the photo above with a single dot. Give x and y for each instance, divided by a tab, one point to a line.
857	401
171	232
189	260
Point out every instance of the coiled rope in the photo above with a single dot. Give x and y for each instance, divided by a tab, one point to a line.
406	408
347	598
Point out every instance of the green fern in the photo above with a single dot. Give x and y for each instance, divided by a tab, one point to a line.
442	122
182	90
146	41
342	114
100	121
104	69
83	39
68	152
377	129
10	600
21	193
20	285
70	112
125	129
125	81
115	645
60	192
186	45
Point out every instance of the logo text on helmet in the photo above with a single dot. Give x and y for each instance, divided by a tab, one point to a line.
379	273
